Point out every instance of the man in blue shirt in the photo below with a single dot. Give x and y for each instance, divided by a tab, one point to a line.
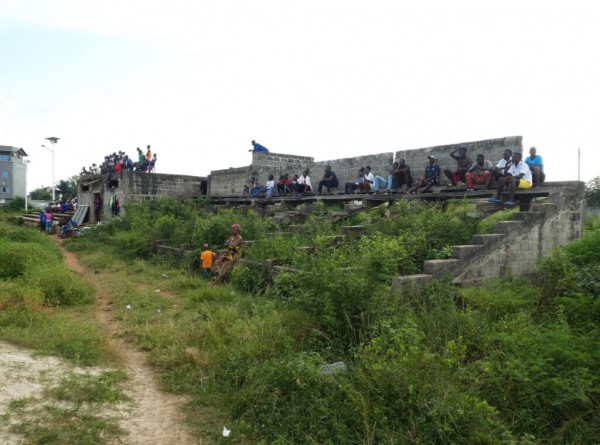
258	148
536	165
330	180
429	179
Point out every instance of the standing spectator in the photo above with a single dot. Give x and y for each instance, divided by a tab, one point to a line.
536	165
141	158
97	206
49	221
256	147
479	173
463	162
329	181
207	257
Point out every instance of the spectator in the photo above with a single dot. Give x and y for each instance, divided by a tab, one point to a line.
401	175
304	184
225	262
479	173
536	165
518	176
257	148
329	181
463	162
207	257
499	170
429	179
369	181
350	187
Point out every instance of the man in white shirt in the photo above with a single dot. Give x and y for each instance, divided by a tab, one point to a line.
518	176
368	182
303	185
499	170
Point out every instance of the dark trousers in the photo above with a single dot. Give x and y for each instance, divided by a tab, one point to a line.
328	183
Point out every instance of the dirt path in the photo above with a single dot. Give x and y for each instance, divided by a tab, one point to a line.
156	418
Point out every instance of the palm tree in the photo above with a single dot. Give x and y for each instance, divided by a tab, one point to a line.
67	187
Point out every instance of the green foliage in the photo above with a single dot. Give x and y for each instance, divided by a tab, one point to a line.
67	187
592	192
16	204
41	194
88	388
488	224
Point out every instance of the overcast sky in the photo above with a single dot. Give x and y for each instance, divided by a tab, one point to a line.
199	80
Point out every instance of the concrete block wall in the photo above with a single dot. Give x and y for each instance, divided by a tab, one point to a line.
137	186
347	168
491	149
231	181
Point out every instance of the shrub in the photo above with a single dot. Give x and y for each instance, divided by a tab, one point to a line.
60	286
16	258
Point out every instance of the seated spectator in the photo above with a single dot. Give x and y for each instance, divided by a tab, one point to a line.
401	175
350	187
284	185
249	188
463	162
67	229
429	179
536	165
367	185
329	181
268	188
518	176
303	185
500	169
479	173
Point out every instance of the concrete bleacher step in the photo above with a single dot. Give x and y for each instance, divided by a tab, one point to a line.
487	239
466	250
506	227
408	281
528	216
436	267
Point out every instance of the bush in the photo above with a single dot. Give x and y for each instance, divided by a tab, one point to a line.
60	286
17	258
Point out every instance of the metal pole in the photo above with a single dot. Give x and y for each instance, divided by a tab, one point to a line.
579	164
53	140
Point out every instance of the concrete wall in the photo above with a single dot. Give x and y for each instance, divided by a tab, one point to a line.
491	149
131	186
231	181
517	245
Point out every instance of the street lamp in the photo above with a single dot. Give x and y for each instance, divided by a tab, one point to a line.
53	140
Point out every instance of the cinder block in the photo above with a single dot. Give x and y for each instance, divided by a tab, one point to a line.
409	281
465	251
488	239
507	227
436	267
528	216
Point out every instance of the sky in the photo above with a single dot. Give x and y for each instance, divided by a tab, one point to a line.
198	80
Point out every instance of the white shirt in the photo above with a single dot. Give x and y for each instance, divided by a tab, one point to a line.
303	180
501	164
270	184
369	178
516	170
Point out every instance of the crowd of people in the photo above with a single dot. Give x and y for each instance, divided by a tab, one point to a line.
116	162
510	171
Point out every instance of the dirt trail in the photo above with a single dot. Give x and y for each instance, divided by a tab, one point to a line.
156	418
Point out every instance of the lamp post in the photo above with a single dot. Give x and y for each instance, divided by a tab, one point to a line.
53	140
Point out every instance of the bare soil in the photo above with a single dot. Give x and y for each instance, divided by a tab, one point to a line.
155	417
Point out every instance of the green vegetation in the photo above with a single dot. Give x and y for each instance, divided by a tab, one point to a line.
512	362
592	192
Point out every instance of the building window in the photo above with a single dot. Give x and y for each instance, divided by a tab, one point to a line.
5	174
5	189
4	157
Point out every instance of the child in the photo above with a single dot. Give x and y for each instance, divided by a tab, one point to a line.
207	260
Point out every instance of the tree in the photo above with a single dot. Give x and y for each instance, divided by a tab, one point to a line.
67	187
592	192
41	194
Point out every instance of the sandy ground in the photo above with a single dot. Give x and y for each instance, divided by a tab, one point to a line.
155	417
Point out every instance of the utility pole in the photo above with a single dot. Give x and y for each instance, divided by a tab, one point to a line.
53	140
